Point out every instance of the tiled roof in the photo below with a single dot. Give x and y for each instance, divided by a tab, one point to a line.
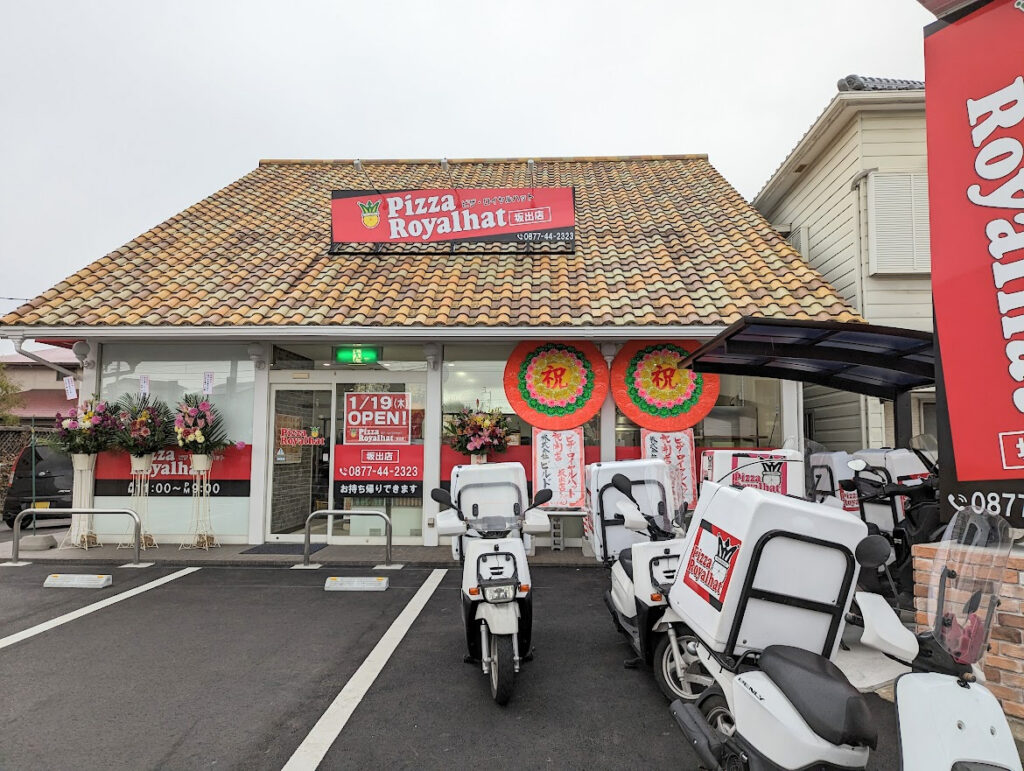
660	241
864	83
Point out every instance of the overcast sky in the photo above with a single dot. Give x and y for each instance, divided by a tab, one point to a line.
117	115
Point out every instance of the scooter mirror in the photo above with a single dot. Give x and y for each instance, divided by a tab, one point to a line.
442	496
621	483
872	552
857	464
542	497
973	603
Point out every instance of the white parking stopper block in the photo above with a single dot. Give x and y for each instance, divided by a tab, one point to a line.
78	581
355	584
310	566
388	567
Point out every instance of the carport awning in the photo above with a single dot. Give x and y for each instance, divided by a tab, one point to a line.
861	358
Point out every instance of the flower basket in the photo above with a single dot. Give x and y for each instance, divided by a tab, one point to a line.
142	464
143	427
201	462
478	433
199	427
85	430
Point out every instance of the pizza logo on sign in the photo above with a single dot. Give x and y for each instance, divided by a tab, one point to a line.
711	563
371	213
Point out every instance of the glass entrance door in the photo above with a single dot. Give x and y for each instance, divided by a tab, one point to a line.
378	456
300	463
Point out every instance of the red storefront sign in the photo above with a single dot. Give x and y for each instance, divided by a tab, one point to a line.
378	418
525	215
380	472
975	115
172	475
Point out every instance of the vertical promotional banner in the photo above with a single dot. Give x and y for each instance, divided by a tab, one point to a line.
677	449
558	465
975	116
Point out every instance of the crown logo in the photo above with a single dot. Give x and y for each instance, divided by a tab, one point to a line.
771	472
371	213
725	550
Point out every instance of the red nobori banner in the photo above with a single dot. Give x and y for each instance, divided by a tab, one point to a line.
975	115
521	215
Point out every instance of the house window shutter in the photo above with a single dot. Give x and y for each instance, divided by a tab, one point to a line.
898	223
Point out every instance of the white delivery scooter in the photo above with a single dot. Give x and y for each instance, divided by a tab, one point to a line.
643	572
488	515
765	585
947	720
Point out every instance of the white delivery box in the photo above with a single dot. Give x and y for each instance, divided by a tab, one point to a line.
777	471
901	466
764	569
489	490
603	526
828	469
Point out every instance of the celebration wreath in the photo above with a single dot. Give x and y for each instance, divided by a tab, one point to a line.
556	385
654	392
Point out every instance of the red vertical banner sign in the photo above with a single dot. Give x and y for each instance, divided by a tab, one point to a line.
975	114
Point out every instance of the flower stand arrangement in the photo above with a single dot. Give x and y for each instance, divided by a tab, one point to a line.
478	433
199	428
83	432
143	428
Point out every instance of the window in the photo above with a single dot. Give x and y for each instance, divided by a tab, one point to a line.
899	240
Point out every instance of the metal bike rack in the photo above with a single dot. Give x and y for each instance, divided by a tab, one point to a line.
349	513
129	512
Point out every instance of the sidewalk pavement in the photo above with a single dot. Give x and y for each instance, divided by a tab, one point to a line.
231	555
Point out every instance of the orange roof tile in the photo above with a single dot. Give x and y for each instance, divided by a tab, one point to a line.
660	241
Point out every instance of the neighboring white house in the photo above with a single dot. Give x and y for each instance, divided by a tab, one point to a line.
852	197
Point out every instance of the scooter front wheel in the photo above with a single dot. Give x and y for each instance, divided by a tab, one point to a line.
685	680
503	673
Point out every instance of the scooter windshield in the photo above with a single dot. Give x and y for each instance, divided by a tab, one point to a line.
966	581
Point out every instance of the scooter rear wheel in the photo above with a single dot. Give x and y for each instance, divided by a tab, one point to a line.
685	682
503	674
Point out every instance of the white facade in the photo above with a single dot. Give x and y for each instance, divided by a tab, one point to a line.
852	197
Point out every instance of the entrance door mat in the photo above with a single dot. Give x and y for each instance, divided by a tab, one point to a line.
284	548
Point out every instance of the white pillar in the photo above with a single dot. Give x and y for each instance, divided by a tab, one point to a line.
792	404
258	471
608	350
432	440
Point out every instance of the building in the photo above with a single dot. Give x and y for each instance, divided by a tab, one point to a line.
42	389
852	198
247	291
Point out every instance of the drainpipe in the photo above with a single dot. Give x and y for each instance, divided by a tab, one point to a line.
19	341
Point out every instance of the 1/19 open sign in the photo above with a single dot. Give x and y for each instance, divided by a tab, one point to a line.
377	418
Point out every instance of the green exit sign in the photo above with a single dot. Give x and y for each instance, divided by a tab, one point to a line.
356	354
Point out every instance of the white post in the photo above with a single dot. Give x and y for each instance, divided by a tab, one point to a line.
258	470
608	350
432	440
792	405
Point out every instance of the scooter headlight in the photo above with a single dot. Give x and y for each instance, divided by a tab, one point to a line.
500	593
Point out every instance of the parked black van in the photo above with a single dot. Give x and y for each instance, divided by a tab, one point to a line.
53	477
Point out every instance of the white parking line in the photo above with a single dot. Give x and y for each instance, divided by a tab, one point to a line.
313	748
47	625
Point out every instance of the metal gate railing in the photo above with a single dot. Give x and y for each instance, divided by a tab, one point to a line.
129	512
349	513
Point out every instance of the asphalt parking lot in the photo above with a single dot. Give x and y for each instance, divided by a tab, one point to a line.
233	668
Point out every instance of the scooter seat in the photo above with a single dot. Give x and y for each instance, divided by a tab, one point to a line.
820	692
626	560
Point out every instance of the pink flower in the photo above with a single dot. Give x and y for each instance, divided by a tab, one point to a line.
239	445
96	420
72	413
73	425
204	406
145	432
101	407
192	411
